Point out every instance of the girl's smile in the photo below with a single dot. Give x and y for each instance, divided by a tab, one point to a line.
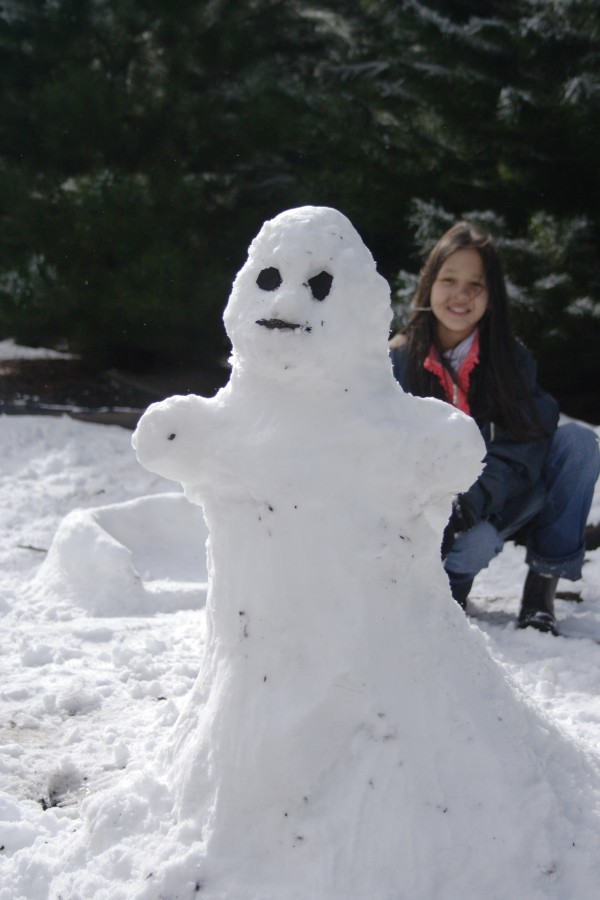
459	296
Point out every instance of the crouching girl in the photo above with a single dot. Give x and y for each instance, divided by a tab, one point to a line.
538	478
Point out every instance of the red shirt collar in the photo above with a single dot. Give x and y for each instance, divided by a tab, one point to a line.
456	392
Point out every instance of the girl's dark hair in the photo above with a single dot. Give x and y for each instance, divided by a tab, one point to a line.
497	392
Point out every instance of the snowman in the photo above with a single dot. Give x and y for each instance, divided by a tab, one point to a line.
335	705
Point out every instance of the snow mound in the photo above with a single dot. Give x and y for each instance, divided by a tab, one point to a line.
138	557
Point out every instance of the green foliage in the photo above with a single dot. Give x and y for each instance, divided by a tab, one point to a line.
143	144
148	145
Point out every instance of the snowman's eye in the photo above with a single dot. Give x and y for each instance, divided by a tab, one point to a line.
269	279
320	285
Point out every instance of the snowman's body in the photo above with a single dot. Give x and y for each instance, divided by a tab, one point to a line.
319	721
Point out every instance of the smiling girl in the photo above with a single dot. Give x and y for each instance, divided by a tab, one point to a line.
538	478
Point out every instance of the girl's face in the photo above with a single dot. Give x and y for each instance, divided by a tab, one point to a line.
459	296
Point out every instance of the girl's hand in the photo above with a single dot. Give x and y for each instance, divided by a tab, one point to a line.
462	519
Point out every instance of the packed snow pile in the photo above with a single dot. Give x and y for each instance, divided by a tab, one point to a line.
349	734
142	556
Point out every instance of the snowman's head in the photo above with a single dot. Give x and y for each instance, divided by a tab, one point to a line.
309	299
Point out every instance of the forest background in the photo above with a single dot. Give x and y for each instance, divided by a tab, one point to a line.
144	142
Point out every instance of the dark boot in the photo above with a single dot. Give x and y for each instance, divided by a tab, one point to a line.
460	591
537	604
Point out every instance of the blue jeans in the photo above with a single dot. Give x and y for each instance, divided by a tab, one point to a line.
555	512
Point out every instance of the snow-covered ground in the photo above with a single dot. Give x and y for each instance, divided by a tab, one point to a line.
9	350
84	695
81	695
322	723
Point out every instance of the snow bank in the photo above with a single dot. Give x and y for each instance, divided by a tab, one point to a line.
142	556
9	349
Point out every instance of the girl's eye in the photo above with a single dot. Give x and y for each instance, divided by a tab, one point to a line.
320	285
269	279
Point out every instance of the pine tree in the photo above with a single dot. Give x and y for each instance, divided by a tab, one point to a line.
142	145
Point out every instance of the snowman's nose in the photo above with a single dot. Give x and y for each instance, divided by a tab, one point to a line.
285	305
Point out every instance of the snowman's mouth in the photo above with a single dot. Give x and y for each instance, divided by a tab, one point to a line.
279	324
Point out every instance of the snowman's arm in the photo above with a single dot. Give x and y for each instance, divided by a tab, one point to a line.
451	452
173	438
